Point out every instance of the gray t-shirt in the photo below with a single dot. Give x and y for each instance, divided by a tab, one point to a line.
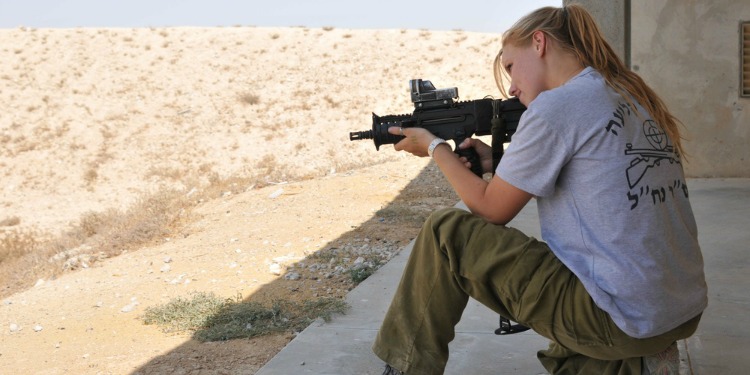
613	203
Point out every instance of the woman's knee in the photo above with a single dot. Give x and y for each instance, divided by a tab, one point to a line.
445	217
441	226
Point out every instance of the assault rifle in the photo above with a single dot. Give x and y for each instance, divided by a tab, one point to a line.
440	112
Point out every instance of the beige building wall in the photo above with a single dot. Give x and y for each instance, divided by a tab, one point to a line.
689	53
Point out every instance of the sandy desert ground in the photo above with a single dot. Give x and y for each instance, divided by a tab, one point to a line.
93	119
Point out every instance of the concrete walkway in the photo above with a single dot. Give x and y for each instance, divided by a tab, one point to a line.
721	345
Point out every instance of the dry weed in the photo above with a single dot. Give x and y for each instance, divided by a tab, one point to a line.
249	99
11	221
27	255
16	243
213	318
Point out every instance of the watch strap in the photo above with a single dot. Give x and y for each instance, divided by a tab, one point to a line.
435	142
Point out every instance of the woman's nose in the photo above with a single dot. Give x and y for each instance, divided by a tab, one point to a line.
513	91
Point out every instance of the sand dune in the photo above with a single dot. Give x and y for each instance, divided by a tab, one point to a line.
94	117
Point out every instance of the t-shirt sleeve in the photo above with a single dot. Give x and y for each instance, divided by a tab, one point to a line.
536	154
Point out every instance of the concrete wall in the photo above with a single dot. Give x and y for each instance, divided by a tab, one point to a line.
689	52
612	17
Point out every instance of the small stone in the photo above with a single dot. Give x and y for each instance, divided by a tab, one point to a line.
165	268
177	279
276	194
37	328
275	269
292	276
14	327
167	259
131	306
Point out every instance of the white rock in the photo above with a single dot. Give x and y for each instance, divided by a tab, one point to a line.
275	269
276	193
14	327
177	279
130	307
38	328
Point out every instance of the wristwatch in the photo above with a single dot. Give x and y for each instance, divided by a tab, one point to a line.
435	142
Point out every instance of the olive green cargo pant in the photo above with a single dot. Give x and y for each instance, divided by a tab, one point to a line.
458	255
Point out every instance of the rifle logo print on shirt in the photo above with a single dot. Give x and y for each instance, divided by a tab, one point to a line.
646	159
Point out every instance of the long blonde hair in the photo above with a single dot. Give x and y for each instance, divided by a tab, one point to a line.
575	30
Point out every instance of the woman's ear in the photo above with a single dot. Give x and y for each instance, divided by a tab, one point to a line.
539	42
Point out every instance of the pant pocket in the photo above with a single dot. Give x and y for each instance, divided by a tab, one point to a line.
590	325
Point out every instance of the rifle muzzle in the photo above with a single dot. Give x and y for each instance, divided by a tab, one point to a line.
379	132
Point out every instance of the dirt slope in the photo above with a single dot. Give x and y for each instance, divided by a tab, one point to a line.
96	117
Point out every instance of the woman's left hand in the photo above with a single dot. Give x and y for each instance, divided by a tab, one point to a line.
483	150
416	142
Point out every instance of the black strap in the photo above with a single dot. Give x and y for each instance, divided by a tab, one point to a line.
498	132
506	328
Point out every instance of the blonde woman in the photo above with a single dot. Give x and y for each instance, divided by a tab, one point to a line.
619	277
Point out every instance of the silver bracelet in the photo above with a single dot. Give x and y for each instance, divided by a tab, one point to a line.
435	142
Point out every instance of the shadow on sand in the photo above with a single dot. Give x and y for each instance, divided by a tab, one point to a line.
393	225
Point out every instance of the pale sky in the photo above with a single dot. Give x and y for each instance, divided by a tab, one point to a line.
469	15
